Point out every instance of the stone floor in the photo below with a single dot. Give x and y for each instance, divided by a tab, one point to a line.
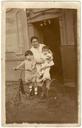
60	107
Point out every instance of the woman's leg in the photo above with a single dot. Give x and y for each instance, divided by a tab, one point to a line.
47	82
43	94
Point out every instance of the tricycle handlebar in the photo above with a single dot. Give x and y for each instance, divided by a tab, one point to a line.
22	69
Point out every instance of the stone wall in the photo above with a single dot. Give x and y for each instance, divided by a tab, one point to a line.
68	49
17	41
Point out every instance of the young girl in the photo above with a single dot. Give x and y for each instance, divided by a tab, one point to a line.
45	69
30	71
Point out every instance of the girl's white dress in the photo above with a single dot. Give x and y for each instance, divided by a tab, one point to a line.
48	62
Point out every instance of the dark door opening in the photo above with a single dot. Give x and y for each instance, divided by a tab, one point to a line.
50	32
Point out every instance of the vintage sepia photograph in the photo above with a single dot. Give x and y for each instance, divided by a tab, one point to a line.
41	65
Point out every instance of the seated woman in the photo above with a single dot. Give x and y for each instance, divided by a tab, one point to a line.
42	60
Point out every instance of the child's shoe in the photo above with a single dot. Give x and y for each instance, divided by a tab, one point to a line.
31	93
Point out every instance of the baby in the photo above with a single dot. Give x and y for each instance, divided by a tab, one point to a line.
30	71
47	63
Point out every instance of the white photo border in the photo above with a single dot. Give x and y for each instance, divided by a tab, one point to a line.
52	4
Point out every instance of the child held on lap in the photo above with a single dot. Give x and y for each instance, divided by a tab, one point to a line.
30	71
45	67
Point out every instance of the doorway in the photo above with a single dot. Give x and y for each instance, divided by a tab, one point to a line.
49	32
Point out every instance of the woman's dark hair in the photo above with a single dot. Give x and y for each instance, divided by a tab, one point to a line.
34	37
28	52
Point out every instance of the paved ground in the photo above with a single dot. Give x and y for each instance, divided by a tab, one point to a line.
60	107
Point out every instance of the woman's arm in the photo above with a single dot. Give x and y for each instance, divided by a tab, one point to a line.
47	65
40	61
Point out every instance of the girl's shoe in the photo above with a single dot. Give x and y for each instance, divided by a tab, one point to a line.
31	93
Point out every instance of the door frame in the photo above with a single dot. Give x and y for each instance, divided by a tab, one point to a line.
33	32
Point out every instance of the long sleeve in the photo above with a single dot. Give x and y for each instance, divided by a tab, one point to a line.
47	65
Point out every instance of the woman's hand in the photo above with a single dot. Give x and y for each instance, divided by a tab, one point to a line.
40	61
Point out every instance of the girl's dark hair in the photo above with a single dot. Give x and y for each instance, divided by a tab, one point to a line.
33	37
28	52
45	47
